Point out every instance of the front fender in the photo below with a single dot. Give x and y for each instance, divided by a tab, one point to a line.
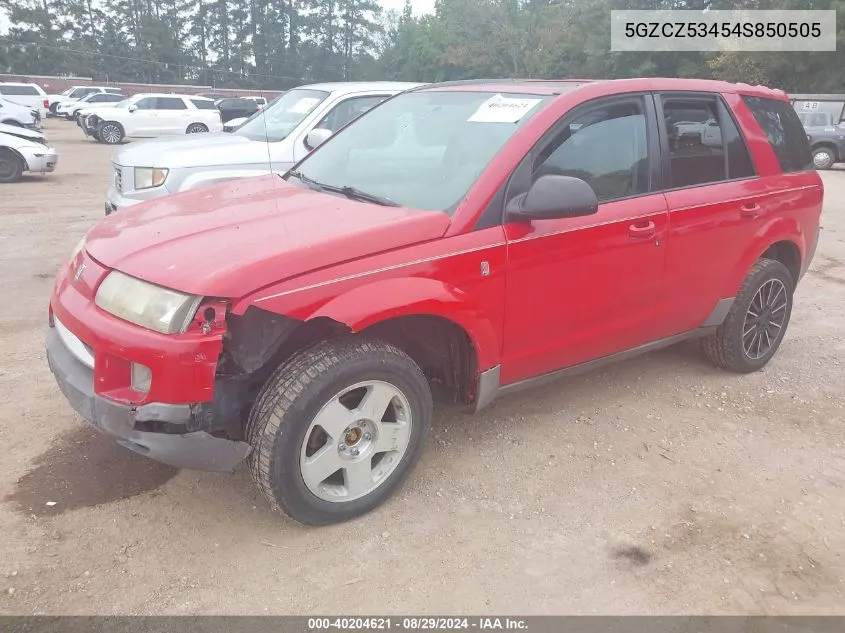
783	229
367	305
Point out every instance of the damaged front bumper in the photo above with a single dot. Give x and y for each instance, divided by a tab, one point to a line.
194	450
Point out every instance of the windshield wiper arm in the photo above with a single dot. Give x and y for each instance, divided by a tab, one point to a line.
357	194
349	192
308	181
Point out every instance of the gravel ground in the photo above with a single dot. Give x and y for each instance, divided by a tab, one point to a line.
659	485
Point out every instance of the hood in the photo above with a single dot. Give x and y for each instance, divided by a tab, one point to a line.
193	150
230	239
21	133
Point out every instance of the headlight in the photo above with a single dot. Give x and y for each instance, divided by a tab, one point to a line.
145	304
148	177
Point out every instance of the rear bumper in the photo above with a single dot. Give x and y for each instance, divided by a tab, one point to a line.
193	450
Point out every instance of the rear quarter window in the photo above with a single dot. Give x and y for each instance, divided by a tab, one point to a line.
784	131
202	104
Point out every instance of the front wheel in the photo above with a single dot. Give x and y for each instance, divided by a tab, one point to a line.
823	158
110	133
196	128
11	166
757	321
336	429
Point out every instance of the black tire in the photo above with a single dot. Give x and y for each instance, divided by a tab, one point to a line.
725	347
196	128
292	397
12	122
110	133
11	166
823	158
53	107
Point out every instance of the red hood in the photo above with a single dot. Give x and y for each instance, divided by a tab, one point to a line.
230	239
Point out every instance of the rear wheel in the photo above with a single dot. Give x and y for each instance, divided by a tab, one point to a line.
111	133
757	321
336	429
823	158
11	166
196	128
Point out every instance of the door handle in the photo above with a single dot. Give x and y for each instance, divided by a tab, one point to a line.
750	211
642	230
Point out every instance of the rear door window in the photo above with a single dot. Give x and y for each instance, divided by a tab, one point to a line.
204	104
783	128
704	144
170	103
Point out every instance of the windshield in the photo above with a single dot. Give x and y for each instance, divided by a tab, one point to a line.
422	149
276	121
815	119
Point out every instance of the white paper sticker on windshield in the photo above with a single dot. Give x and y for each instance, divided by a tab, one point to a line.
499	109
303	105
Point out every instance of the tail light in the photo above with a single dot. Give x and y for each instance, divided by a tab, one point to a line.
46	103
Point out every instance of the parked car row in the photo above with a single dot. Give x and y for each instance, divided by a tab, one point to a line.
400	240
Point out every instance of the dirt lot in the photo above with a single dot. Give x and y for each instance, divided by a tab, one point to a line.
660	485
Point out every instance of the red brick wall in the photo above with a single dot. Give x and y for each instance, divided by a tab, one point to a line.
55	85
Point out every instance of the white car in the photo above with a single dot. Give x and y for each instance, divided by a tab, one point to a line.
151	115
24	150
68	109
30	95
12	113
75	93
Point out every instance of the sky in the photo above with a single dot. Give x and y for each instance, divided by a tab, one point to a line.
420	7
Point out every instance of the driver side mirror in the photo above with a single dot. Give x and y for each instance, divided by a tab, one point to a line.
553	197
317	137
132	108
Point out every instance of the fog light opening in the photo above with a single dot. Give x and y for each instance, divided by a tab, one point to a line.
142	377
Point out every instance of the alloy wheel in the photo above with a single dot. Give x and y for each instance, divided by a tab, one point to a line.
764	320
356	441
110	133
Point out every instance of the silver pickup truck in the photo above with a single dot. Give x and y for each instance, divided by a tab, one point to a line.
273	139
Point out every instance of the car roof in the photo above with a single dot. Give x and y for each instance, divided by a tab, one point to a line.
557	86
360	86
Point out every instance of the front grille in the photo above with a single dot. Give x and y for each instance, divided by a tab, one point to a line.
118	177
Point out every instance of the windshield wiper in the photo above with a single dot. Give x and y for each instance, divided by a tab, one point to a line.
357	194
308	181
350	192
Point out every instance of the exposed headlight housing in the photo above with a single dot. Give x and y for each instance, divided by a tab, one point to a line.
145	304
149	177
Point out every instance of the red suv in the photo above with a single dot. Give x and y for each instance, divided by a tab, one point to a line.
469	238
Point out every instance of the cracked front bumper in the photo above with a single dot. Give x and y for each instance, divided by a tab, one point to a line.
194	450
